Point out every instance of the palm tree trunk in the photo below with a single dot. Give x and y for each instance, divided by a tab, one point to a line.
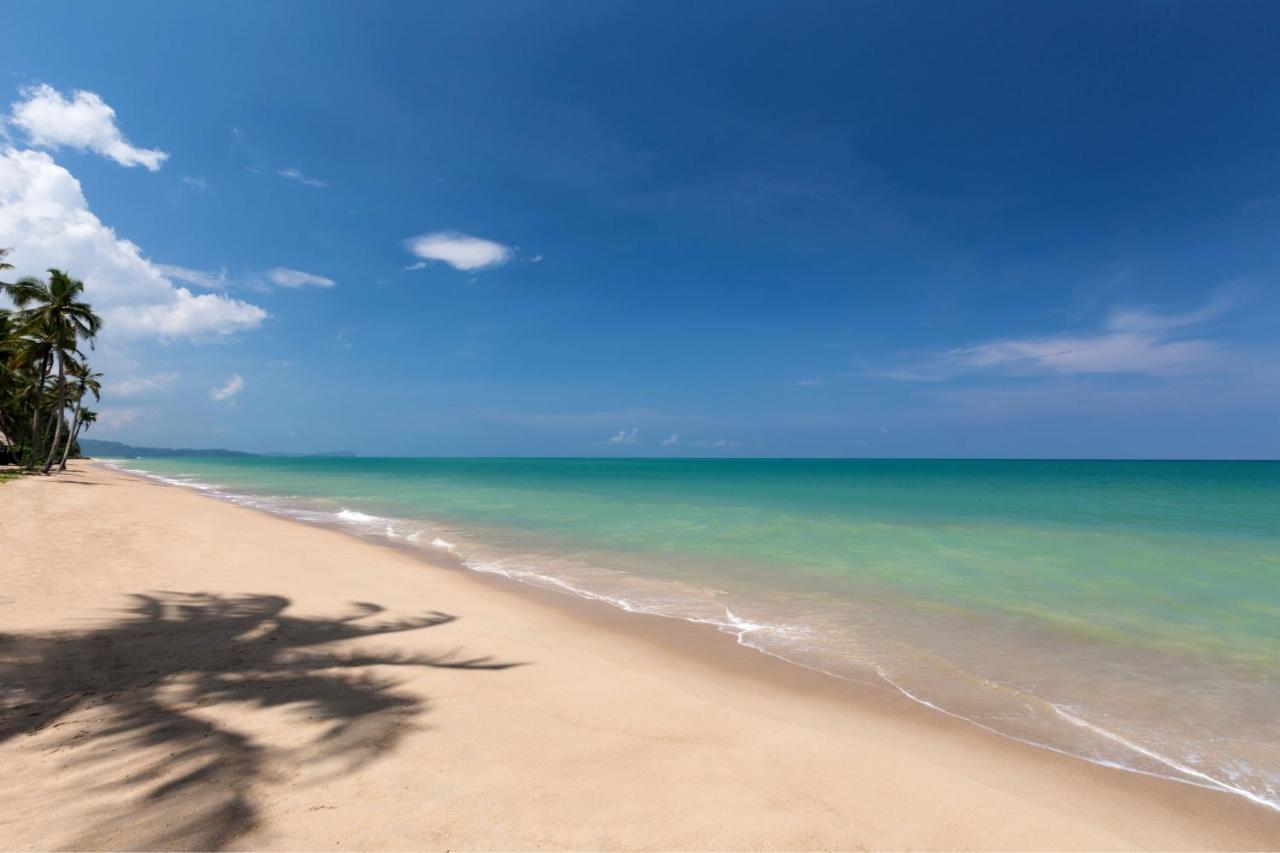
71	436
34	438
7	428
58	413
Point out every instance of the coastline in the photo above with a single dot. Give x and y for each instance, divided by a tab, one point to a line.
619	730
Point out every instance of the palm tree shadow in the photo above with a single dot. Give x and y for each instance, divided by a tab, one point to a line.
145	679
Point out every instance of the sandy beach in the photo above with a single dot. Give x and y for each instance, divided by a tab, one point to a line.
179	672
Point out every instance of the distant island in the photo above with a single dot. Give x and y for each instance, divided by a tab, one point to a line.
97	447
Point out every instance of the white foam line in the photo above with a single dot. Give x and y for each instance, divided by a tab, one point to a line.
190	483
522	575
358	517
1169	762
1208	781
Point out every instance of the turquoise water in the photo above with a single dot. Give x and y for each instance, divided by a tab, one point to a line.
1126	612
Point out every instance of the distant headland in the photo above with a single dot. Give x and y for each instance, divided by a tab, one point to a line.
97	447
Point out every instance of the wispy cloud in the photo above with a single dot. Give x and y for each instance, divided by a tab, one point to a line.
1142	341
196	183
228	390
1150	319
296	175
458	250
285	277
582	420
719	444
84	122
671	440
291	278
624	437
1111	352
261	164
199	278
112	419
810	383
142	386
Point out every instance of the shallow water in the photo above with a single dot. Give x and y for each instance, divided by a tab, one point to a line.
1126	612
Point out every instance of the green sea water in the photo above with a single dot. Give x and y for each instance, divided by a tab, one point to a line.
1126	612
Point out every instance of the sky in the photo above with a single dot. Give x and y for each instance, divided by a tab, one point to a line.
659	229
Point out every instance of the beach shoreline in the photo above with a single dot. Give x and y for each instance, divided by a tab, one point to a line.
706	743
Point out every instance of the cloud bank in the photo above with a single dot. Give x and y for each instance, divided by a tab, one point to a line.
45	218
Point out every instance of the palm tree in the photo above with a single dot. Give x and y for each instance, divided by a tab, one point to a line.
58	311
32	355
42	334
9	399
7	378
4	265
85	382
85	419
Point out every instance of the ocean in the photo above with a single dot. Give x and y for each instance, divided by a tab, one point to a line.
1124	612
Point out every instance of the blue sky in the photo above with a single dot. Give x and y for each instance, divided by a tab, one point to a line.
813	229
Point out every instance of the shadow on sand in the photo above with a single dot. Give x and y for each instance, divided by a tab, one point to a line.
139	688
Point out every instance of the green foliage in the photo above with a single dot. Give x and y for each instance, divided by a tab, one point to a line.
44	375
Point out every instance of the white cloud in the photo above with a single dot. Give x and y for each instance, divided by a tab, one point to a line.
45	217
295	175
142	386
84	122
195	182
459	251
285	277
671	440
624	437
227	390
809	383
197	318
